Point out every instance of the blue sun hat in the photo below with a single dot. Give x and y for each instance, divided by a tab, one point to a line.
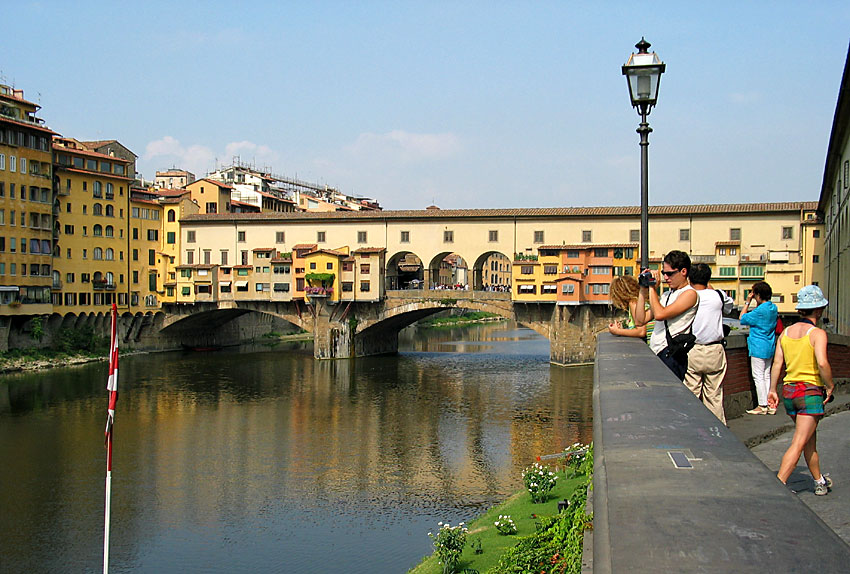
811	297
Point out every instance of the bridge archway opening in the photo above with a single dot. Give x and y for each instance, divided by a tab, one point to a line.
492	272
405	271
448	270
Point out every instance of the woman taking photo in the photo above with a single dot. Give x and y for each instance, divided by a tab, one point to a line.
807	385
761	341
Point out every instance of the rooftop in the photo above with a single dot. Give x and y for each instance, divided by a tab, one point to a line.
519	213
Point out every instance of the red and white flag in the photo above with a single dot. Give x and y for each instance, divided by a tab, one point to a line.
112	387
112	381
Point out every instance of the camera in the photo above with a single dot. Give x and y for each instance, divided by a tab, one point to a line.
645	279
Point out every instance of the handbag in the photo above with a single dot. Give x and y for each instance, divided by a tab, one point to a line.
682	343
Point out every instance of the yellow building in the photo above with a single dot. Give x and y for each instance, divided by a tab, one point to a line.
211	196
148	265
175	205
93	203
322	273
834	207
27	236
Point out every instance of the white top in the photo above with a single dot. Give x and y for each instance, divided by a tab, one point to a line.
678	324
708	323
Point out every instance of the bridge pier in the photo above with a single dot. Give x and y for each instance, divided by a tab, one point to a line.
572	336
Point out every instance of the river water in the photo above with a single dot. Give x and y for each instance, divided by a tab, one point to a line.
265	460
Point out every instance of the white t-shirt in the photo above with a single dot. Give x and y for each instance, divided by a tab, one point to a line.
708	323
678	324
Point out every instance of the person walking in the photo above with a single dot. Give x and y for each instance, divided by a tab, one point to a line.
807	387
761	341
707	360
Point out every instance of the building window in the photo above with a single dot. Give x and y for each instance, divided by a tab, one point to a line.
634	235
212	207
361	237
364	268
734	234
787	232
493	236
527	270
170	237
153	234
279	237
190	237
240	236
721	251
171	216
347	286
405	237
320	237
586	236
684	235
448	236
568	288
816	233
600	252
538	237
550	269
364	286
815	258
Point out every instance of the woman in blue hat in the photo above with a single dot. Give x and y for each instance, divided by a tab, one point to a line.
807	386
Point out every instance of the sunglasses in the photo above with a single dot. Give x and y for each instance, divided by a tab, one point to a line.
670	273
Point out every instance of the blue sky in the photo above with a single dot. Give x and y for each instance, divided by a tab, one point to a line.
461	104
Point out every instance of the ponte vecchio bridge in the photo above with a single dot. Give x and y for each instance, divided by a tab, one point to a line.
365	322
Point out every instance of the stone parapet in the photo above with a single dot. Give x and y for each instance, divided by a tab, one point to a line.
675	491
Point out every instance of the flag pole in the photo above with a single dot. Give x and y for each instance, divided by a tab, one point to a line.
112	388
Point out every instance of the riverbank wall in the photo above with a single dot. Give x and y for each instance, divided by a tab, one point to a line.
136	332
675	491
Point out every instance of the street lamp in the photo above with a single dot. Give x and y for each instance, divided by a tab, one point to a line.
643	74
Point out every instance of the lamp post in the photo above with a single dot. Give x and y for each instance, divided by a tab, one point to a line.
643	74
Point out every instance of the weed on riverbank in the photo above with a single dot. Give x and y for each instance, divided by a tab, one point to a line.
546	540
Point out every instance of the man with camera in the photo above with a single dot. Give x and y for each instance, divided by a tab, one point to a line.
672	338
707	360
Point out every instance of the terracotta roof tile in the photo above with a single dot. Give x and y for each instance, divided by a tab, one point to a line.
519	213
370	250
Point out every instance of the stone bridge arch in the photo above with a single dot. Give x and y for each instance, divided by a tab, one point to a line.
217	324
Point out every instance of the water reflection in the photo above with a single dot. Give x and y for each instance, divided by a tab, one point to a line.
236	462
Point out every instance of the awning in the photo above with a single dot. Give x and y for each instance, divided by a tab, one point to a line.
11	288
224	283
241	283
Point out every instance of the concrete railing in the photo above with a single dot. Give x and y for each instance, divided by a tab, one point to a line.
675	491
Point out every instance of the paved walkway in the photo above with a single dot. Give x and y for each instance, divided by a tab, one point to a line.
769	437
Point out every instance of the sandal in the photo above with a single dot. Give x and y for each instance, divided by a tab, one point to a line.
759	410
771	411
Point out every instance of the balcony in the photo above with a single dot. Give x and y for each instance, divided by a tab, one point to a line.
102	286
319	291
708	259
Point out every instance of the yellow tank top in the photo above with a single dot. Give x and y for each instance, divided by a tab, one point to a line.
800	363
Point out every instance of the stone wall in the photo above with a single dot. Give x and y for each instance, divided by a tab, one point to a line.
675	491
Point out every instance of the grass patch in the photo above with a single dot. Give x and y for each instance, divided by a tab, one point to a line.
542	533
470	317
